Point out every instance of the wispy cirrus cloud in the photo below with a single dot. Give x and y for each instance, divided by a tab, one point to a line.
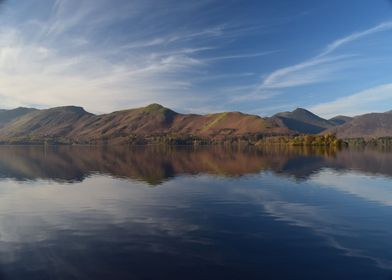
46	77
358	103
200	54
303	73
239	56
72	56
385	26
321	67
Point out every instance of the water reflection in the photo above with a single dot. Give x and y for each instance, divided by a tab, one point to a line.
90	213
156	164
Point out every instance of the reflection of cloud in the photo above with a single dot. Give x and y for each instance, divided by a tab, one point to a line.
95	195
161	220
377	189
36	213
329	222
323	224
47	226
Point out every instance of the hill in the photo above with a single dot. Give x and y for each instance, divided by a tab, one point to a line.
156	124
74	124
39	124
158	121
7	116
373	125
303	121
339	120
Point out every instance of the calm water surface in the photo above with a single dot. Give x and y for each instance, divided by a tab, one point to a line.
206	213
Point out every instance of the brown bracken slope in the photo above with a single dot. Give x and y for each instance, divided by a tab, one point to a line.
75	124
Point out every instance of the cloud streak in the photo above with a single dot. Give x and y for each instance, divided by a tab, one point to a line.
321	67
357	103
56	59
184	55
385	26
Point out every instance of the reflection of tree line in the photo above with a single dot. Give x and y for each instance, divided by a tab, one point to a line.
154	164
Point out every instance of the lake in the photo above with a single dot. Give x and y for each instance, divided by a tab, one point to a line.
194	213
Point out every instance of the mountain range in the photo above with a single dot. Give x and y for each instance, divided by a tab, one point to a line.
72	124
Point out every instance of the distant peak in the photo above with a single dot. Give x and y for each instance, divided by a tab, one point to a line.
301	110
340	117
24	108
70	108
297	112
155	106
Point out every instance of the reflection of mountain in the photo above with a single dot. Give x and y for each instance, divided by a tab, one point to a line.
370	161
302	163
258	222
157	163
150	164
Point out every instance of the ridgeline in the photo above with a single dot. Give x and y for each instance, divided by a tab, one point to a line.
155	124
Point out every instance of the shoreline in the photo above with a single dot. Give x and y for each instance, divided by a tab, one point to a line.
325	141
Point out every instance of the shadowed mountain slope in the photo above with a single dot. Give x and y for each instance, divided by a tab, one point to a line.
303	121
373	125
339	120
7	116
54	122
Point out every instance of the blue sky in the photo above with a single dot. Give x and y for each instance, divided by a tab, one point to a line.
261	57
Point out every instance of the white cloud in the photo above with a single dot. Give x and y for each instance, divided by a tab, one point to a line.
357	103
33	73
56	63
307	72
237	56
356	36
64	57
71	56
321	67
